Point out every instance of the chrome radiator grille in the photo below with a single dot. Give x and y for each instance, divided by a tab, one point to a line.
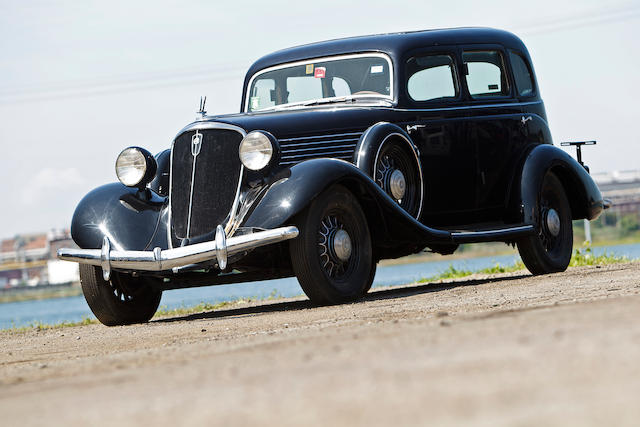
204	185
336	146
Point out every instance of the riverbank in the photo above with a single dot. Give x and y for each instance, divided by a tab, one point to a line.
580	258
25	293
465	252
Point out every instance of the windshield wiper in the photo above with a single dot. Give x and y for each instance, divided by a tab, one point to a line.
329	100
323	101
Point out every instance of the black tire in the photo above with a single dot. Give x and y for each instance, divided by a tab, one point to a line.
323	275
548	252
393	156
122	300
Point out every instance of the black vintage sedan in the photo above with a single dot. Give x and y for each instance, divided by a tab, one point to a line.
345	152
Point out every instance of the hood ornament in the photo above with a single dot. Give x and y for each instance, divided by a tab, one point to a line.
202	112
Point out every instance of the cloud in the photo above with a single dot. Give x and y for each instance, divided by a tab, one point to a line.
48	181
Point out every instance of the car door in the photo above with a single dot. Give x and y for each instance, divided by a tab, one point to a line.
493	125
436	125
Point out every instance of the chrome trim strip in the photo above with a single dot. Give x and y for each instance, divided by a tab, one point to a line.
193	177
210	125
159	260
292	146
203	126
318	148
364	138
384	56
320	136
416	153
498	231
292	156
468	107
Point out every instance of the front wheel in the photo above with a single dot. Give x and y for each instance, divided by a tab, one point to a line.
549	250
332	256
122	300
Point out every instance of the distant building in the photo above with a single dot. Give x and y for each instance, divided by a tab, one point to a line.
623	189
30	260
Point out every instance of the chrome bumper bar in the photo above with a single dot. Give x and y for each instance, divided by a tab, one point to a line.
161	260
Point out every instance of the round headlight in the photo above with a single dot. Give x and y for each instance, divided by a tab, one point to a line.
135	167
256	150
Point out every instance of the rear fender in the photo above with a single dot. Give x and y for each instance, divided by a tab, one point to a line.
583	193
129	218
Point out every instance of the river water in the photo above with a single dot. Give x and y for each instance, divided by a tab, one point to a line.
73	309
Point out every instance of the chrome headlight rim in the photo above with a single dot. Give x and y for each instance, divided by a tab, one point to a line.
267	157
135	167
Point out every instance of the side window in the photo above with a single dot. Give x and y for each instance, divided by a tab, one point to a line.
522	74
431	77
485	74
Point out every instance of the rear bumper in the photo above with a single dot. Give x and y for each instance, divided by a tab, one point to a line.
161	260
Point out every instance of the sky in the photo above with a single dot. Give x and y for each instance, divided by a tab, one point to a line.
80	81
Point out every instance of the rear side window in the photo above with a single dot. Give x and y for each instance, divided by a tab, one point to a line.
485	74
522	74
431	77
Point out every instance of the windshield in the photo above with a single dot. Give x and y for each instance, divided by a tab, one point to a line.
353	78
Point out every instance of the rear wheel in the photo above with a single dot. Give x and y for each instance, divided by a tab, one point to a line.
549	250
122	300
332	256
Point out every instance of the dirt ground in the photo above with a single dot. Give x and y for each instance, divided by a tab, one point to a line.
512	349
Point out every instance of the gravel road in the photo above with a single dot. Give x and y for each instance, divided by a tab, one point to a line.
512	349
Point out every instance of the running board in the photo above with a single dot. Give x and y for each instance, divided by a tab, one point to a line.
498	234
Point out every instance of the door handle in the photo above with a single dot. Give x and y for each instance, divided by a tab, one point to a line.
414	127
524	120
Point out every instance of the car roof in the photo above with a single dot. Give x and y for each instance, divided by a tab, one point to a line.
393	44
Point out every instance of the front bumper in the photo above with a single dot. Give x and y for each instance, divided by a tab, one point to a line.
161	260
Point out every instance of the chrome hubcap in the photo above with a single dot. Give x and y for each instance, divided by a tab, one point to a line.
342	245
552	222
335	246
397	184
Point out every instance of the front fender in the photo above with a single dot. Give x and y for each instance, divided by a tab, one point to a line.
370	141
289	196
130	220
583	193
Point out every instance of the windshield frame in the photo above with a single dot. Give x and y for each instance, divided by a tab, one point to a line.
375	99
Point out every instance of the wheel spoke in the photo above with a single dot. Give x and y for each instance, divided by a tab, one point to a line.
329	260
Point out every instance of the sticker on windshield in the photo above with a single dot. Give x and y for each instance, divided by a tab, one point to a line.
255	102
375	69
320	72
309	68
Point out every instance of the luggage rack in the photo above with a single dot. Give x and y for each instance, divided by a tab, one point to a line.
578	145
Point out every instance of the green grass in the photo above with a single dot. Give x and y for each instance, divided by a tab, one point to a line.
205	306
581	257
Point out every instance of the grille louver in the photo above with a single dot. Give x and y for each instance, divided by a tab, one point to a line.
337	146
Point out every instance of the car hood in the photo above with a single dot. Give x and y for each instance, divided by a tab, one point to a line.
282	124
